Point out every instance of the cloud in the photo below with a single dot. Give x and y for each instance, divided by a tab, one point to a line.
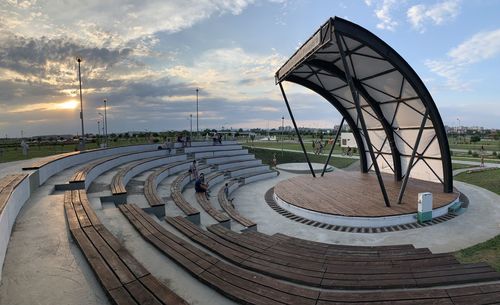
248	75
383	10
110	23
480	47
437	14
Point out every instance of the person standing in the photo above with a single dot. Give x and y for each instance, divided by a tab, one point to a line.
25	148
193	170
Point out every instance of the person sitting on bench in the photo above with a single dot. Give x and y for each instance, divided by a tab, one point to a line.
200	186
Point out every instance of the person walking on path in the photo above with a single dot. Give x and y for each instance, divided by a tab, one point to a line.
481	153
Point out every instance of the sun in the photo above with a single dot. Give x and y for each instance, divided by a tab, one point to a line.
71	104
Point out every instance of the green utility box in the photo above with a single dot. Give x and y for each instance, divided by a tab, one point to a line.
424	212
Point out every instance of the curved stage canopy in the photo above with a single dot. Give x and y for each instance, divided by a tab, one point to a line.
385	103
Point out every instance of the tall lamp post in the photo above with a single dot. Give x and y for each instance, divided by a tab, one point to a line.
282	130
82	143
191	126
197	127
105	123
102	120
98	132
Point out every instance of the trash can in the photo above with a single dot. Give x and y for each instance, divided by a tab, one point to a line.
424	212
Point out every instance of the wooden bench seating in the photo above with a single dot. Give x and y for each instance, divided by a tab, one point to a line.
248	287
44	161
7	186
176	195
118	186
230	210
124	279
80	175
151	182
409	269
207	205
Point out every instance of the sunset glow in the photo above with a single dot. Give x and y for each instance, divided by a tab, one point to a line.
71	104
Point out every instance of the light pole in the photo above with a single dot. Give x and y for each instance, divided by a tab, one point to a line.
98	133
282	130
102	119
197	127
82	143
105	123
191	126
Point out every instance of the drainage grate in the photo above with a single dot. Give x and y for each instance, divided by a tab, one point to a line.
270	201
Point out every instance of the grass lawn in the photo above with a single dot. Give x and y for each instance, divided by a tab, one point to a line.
289	157
488	251
455	166
489	160
8	154
488	179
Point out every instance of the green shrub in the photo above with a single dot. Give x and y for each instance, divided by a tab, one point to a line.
475	155
469	152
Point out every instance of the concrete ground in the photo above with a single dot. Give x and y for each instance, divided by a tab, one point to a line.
44	266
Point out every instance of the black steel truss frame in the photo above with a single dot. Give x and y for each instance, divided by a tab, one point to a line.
336	30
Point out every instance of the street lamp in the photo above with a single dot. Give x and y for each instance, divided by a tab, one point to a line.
105	123
82	143
191	126
98	133
102	119
282	130
197	127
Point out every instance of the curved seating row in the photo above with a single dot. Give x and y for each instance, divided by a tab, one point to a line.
205	203
218	153
416	268
48	166
158	175
123	176
124	279
248	287
228	207
176	194
83	177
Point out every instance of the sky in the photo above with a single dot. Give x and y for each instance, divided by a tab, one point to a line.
147	58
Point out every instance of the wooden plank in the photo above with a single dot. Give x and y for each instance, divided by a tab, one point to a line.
141	294
79	210
161	291
111	258
273	294
71	216
47	160
236	293
92	216
106	277
120	296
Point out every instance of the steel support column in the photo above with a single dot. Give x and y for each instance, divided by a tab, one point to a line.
333	146
296	129
355	96
413	153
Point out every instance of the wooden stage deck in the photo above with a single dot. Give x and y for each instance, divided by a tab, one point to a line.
357	194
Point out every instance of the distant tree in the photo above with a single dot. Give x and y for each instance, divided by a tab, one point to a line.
475	138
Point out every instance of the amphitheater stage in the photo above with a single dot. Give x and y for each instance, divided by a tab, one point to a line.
355	199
